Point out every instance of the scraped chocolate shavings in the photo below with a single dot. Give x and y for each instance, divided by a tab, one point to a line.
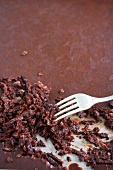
59	98
93	135
41	143
80	114
19	155
109	123
111	103
25	110
103	155
55	158
68	159
7	149
94	112
88	122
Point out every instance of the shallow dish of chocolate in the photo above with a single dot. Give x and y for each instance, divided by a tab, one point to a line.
27	124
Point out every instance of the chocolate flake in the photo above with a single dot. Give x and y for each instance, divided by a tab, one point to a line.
61	91
68	159
24	53
9	159
40	74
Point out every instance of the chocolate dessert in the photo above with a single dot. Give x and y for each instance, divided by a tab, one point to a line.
66	45
25	111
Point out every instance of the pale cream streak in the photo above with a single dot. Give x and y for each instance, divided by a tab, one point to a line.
77	144
50	148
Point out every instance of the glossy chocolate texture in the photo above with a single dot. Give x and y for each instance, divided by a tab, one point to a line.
69	41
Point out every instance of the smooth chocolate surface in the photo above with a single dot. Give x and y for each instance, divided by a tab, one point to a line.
20	163
69	41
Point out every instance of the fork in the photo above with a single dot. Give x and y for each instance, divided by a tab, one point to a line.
76	103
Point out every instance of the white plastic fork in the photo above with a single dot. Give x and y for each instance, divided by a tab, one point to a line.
76	103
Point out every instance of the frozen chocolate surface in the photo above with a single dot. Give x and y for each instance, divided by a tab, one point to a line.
69	42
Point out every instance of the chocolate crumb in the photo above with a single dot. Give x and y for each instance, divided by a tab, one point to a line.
59	98
88	122
111	103
24	53
41	143
61	91
19	155
68	159
40	74
9	159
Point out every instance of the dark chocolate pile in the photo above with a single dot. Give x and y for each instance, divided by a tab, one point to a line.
25	110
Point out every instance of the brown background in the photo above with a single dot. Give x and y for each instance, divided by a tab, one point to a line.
69	41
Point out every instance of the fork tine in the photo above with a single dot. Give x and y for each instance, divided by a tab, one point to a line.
67	109
68	103
68	114
65	100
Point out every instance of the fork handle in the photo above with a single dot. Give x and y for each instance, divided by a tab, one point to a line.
103	99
